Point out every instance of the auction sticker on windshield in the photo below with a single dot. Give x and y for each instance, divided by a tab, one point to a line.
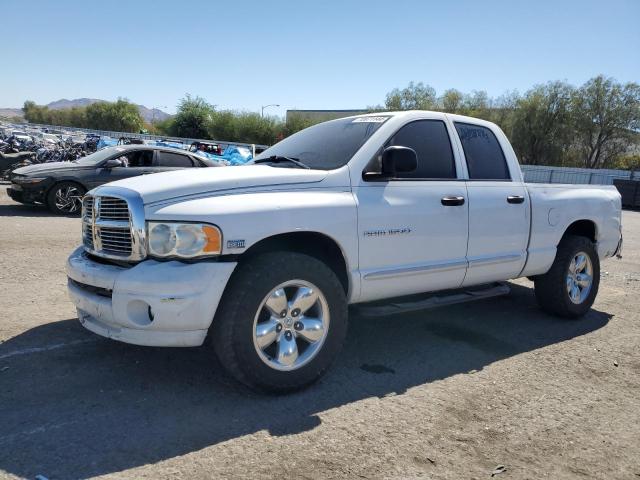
370	119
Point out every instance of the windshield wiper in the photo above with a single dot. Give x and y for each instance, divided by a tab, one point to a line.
281	158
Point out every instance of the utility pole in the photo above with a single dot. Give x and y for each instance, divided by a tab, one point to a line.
267	106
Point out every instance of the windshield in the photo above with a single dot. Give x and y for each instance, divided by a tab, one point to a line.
325	146
98	156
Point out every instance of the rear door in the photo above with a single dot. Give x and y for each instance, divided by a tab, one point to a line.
167	161
498	208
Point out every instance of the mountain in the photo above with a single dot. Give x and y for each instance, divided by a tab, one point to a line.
64	104
148	114
10	112
152	114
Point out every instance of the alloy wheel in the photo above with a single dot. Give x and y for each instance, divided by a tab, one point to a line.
291	325
68	199
579	278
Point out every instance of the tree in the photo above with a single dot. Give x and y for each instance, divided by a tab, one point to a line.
245	127
606	114
119	116
254	128
541	124
193	117
477	104
295	124
416	96
452	101
628	162
162	127
503	110
34	113
223	126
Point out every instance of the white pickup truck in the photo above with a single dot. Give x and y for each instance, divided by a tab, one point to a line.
261	261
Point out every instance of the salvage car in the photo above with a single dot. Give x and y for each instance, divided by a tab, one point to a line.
61	185
382	212
22	136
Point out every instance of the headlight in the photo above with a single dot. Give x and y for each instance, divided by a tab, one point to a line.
27	180
183	240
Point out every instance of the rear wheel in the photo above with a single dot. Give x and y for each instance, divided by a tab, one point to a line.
65	198
281	323
570	287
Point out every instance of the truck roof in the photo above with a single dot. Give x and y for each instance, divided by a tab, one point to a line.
430	113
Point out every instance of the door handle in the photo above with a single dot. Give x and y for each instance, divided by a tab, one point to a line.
452	201
515	199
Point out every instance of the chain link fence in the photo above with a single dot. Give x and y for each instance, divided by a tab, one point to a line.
546	174
143	136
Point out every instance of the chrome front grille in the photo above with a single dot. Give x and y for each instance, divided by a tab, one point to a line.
87	235
112	208
87	205
113	226
115	240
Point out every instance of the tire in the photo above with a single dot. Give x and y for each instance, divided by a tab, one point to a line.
234	331
553	288
65	198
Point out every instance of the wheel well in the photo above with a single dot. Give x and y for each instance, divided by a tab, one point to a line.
313	244
583	228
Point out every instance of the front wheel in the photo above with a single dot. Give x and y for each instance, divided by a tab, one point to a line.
65	198
570	286
281	323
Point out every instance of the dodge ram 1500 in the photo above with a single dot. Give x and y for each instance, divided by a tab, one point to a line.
262	261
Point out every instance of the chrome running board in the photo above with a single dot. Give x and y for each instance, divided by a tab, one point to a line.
418	302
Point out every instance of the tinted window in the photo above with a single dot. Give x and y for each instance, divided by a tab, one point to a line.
327	145
99	156
485	159
167	159
430	140
138	158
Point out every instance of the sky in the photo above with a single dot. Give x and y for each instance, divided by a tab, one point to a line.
327	54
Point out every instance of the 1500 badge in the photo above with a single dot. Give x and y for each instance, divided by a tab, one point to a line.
387	232
235	243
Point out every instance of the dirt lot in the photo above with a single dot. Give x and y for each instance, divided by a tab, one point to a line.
449	393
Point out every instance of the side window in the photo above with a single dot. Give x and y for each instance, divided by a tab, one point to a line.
140	158
430	140
169	159
485	159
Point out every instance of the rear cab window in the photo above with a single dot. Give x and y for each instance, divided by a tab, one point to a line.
483	153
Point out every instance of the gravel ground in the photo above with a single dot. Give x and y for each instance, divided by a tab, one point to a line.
446	394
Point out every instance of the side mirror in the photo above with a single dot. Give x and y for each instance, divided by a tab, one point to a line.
113	163
397	159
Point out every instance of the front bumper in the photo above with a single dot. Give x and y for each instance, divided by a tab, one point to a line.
27	194
168	304
16	195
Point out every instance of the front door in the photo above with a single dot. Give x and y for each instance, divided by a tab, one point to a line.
134	163
413	229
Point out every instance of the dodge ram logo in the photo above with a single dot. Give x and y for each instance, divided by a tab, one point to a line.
387	232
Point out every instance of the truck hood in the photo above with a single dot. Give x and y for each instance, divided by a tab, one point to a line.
194	182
